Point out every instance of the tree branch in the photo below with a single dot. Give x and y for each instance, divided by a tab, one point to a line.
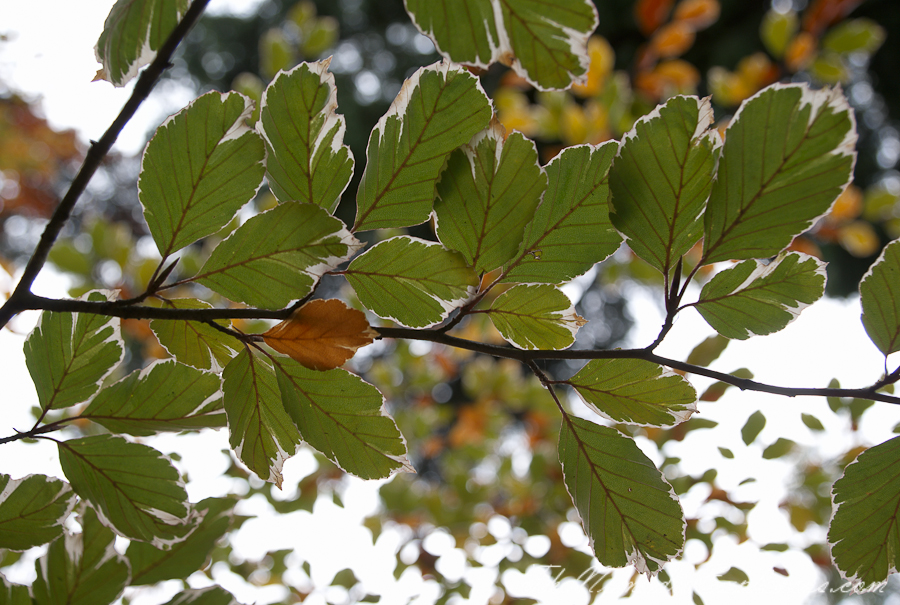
96	153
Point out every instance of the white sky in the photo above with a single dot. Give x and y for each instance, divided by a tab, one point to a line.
50	55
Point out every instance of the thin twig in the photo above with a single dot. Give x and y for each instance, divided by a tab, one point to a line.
98	150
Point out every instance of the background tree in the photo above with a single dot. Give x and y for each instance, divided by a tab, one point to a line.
457	408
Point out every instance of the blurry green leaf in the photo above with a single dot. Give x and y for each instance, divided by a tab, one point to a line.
195	343
855	35
715	391
863	534
137	491
200	167
708	351
486	195
322	36
134	31
635	392
32	510
438	109
734	575
753	427
14	594
536	316
411	281
775	547
275	52
661	179
780	448
788	154
777	30
544	42
164	396
150	565
627	508
211	595
834	403
68	258
829	68
307	160
262	434
811	422
81	569
344	418
696	598
857	407
726	453
752	298
70	354
571	230
879	293
277	256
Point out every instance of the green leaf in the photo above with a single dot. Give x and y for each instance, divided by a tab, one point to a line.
14	594
627	508
752	298
864	534
544	42
277	256
708	351
32	510
70	354
487	194
438	109
307	160
879	293
734	575
753	427
788	154
781	447
135	488
777	30
150	565
195	343
775	547
133	33
200	167
262	434
571	230
812	423
536	316
635	392
344	418
855	35
164	396
81	569
661	179
211	595
410	281
726	453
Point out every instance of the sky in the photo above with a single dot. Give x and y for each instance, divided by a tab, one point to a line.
49	56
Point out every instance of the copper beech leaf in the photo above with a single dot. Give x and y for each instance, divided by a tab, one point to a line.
262	434
788	154
133	33
879	293
200	167
438	108
322	334
635	392
487	193
570	231
307	160
864	533
661	179
629	512
544	42
32	510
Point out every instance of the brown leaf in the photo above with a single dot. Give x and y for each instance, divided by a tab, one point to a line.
322	334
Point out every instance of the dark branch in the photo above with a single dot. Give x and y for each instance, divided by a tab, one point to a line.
96	153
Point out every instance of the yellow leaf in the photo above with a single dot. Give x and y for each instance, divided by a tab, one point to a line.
322	334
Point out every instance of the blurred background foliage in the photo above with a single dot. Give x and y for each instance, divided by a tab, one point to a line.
482	433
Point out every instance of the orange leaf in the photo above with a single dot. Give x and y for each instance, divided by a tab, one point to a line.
822	13
673	39
322	334
801	51
650	14
699	14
